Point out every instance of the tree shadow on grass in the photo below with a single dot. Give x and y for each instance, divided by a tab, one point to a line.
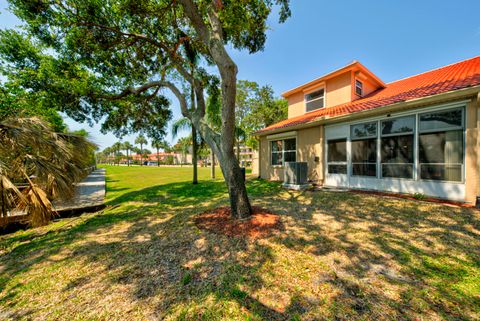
428	254
342	256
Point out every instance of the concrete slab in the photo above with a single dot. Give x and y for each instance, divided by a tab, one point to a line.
89	193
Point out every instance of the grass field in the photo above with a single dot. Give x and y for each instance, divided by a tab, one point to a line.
340	256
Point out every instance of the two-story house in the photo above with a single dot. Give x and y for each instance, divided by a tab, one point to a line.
415	135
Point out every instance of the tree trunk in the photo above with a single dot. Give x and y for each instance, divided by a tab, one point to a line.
238	150
158	158
239	202
213	38
141	154
212	154
194	155
223	151
128	158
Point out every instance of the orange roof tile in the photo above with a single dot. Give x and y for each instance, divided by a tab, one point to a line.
448	78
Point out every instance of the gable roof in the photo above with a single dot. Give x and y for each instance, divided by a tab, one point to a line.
354	65
448	78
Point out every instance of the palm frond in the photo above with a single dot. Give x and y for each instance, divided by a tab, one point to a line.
49	163
181	124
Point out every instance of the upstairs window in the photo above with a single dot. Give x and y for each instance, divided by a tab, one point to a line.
358	87
315	100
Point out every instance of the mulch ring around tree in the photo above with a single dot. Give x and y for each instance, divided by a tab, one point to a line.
219	221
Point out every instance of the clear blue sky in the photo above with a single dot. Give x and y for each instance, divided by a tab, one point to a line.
394	39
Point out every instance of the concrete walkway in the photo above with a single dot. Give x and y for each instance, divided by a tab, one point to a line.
89	197
89	193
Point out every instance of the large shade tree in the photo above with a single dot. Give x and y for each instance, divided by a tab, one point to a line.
125	53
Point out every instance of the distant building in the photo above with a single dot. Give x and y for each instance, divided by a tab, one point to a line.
177	158
246	155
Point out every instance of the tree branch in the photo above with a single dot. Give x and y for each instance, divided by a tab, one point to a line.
160	83
213	39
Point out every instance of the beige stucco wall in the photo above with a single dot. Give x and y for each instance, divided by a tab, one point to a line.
339	90
255	163
309	146
296	105
368	87
478	146
471	153
267	171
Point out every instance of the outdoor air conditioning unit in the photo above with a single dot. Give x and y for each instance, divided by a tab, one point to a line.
295	175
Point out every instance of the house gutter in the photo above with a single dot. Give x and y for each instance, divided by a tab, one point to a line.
403	105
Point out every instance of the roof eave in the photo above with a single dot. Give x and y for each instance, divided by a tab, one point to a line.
318	80
412	103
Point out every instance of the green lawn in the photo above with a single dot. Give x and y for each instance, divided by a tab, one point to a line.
341	256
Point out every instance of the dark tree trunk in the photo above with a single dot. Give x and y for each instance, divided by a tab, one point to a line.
239	202
128	158
212	37
213	163
158	158
194	155
238	150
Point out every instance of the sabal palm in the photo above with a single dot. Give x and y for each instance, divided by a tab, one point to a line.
46	163
117	147
127	147
157	144
214	118
141	140
186	124
183	145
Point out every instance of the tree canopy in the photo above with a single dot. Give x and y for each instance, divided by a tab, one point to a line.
116	58
257	108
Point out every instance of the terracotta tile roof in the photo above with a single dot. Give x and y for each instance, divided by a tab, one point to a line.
449	78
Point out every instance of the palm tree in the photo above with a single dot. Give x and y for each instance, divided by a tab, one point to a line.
213	117
183	146
141	140
46	163
108	152
117	147
128	147
186	124
157	144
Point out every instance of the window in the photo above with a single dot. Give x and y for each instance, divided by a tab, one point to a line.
440	144
364	149
397	148
358	87
337	156
448	120
364	130
284	151
315	100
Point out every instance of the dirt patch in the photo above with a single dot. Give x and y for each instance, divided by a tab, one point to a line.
219	221
411	197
